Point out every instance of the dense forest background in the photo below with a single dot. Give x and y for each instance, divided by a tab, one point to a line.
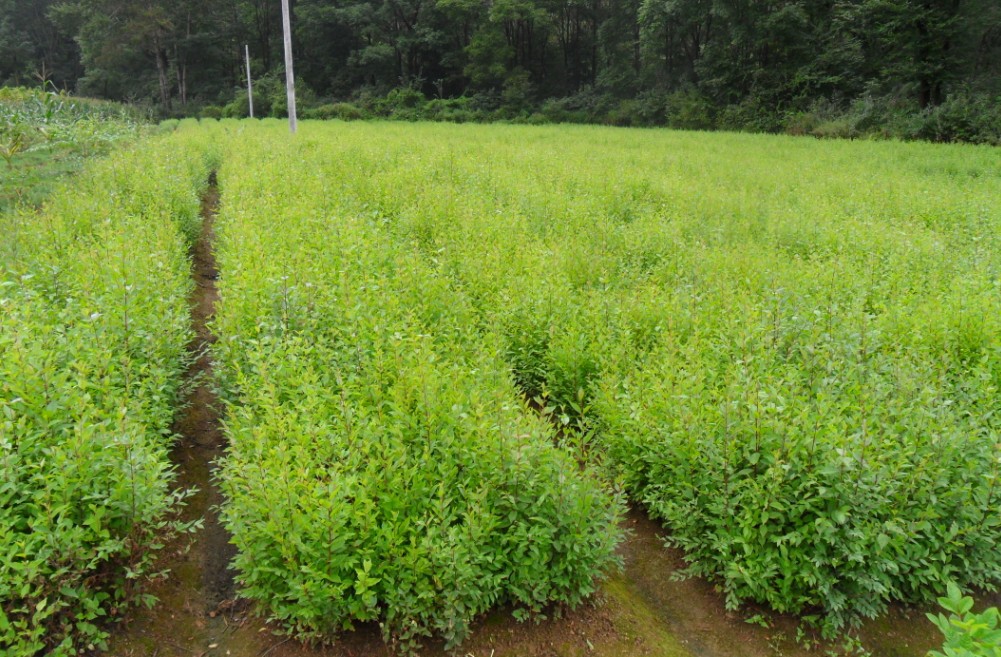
912	68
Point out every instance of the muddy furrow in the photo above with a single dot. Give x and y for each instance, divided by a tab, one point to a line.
196	609
202	440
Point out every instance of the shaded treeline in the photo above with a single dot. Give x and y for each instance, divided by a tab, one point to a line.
746	61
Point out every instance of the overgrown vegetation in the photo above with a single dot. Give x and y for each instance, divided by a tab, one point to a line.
45	135
792	361
964	117
93	328
382	466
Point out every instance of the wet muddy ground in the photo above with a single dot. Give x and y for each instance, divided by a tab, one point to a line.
642	611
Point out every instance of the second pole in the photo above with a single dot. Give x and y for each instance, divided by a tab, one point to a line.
289	75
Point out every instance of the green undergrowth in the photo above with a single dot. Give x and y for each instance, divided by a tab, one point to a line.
382	466
786	350
93	329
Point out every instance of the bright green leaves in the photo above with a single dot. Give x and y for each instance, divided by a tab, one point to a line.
967	634
792	361
364	585
93	328
382	466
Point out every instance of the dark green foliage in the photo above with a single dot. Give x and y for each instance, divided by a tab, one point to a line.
32	47
692	64
211	112
342	111
963	117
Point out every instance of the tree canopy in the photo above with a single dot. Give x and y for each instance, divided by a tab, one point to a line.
739	58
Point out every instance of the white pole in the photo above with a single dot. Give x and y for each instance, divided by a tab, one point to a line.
250	85
289	76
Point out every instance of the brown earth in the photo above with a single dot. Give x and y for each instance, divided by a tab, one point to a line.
643	611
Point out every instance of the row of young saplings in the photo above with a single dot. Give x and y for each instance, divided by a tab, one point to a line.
93	330
819	435
382	465
342	431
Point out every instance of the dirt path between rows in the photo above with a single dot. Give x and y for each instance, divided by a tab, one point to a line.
643	611
203	441
198	595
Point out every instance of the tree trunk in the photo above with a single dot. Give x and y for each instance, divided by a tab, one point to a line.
181	61
182	83
162	70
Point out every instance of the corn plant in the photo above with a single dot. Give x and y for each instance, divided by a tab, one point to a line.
11	145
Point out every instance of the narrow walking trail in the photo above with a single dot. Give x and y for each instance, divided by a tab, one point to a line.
196	608
202	441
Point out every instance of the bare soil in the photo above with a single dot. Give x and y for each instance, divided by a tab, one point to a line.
643	611
200	587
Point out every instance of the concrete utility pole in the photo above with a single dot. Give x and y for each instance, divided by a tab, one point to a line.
289	76
250	85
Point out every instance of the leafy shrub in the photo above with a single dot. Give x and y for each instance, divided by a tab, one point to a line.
518	90
562	111
405	103
689	110
342	111
211	112
826	119
839	128
239	107
750	115
963	117
967	634
382	466
624	114
651	107
800	123
270	98
527	333
93	301
454	110
586	106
